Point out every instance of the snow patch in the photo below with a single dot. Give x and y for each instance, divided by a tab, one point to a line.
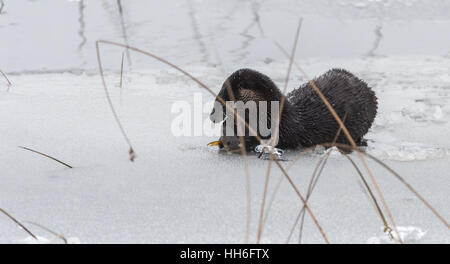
32	240
45	240
409	235
407	151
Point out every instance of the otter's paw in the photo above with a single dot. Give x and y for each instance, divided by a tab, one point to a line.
266	150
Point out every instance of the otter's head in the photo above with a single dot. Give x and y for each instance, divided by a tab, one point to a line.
244	85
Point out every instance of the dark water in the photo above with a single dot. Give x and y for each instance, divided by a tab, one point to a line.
57	35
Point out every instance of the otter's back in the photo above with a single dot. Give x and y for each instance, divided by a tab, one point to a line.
351	98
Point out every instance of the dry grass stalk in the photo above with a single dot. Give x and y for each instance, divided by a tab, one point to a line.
18	223
372	196
6	78
121	74
239	118
420	197
63	238
400	178
261	214
350	139
242	149
303	200
312	184
269	166
45	155
131	153
277	186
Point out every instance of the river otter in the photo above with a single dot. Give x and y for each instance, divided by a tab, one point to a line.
305	119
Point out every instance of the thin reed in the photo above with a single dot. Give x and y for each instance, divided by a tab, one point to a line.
18	223
238	117
6	78
47	156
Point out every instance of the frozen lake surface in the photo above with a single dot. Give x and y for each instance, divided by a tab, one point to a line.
60	35
178	190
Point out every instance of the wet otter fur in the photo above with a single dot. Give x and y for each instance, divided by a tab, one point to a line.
305	119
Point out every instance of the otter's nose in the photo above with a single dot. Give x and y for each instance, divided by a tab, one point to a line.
216	113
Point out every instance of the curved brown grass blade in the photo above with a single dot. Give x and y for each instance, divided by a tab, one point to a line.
242	148
45	155
18	223
312	184
400	178
314	179
276	132
63	238
303	200
372	196
239	118
131	151
6	78
350	139
277	186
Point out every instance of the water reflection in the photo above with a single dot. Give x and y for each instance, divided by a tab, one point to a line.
197	35
256	18
248	37
378	28
2	5
124	30
81	30
378	36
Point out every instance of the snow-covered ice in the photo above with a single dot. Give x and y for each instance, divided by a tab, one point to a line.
178	189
